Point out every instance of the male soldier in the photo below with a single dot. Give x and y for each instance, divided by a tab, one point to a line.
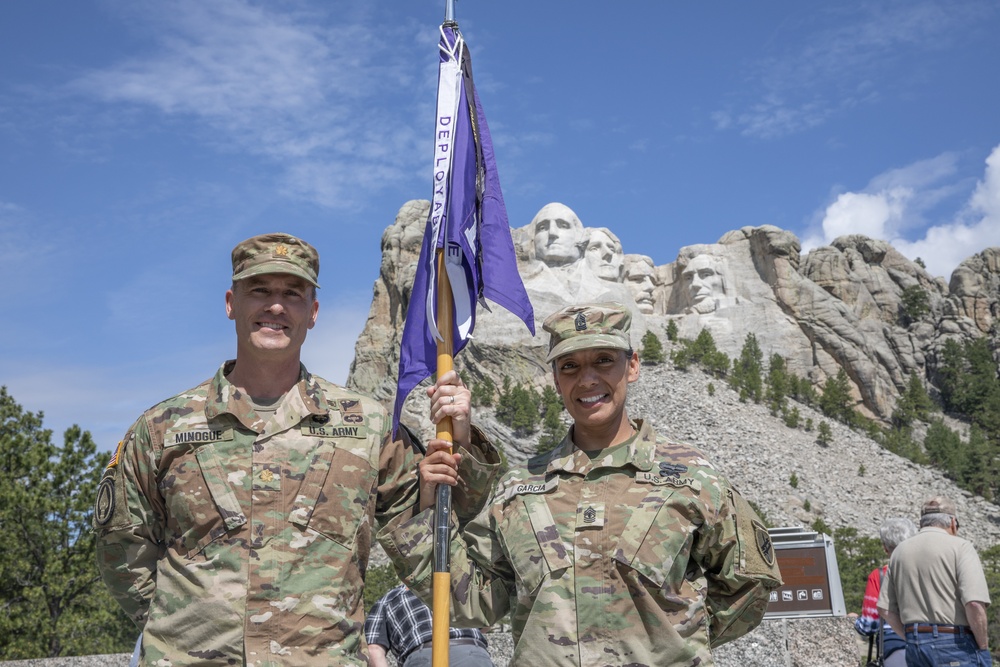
936	595
618	547
235	519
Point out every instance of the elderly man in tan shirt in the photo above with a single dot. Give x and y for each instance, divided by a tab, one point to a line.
936	594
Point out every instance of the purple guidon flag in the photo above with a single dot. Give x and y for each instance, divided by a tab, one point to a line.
467	218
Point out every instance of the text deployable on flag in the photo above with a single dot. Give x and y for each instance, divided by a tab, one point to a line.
467	220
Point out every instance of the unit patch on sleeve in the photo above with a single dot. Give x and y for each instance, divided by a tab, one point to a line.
763	539
104	507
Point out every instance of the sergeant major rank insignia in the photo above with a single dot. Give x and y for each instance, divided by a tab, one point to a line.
580	322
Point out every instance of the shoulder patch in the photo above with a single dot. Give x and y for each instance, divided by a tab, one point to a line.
104	507
116	457
763	540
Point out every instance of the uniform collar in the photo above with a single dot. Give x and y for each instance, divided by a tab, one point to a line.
305	398
638	452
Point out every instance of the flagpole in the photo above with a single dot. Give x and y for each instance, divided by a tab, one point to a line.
441	584
449	11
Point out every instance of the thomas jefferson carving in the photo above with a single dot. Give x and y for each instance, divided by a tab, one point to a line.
604	255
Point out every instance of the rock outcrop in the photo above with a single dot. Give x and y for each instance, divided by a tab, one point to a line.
839	306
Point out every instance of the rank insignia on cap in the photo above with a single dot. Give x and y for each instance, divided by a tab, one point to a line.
589	515
281	250
581	322
104	508
763	540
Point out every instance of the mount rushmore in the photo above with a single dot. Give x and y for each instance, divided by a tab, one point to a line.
838	306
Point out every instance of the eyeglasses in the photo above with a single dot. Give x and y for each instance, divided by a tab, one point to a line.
957	524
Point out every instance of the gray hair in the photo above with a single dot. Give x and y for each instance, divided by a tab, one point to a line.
938	519
894	531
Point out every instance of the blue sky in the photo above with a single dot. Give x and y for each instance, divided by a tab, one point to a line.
140	141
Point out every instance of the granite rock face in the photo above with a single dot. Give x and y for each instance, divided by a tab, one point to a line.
839	306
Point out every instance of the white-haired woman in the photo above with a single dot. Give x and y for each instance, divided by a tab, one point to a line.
892	646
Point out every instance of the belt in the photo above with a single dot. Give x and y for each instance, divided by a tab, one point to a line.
942	629
459	641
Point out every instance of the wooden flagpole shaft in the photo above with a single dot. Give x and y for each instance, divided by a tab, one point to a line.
441	607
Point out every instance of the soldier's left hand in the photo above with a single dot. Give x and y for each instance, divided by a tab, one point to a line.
451	398
439	466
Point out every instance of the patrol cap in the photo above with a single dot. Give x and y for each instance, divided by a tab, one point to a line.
939	505
586	326
275	253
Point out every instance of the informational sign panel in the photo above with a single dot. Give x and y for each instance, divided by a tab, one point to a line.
809	571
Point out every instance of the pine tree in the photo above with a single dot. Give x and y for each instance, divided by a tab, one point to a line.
949	372
777	383
746	376
483	392
651	351
53	601
672	331
835	401
944	447
914	403
703	346
553	430
914	304
824	435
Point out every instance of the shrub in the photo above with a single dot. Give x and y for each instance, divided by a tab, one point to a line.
651	351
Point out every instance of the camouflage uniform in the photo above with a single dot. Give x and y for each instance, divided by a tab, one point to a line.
235	539
645	555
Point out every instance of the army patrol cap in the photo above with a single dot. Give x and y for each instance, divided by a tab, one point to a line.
939	505
586	326
275	253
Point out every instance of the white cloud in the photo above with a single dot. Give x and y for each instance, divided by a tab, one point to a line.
893	206
280	84
977	227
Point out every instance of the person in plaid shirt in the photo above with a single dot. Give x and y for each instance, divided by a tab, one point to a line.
399	622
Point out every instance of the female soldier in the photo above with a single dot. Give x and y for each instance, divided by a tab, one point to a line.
618	547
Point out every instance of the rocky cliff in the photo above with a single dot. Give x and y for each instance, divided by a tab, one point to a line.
839	306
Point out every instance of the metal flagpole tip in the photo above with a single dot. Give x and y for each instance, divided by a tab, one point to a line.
449	11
